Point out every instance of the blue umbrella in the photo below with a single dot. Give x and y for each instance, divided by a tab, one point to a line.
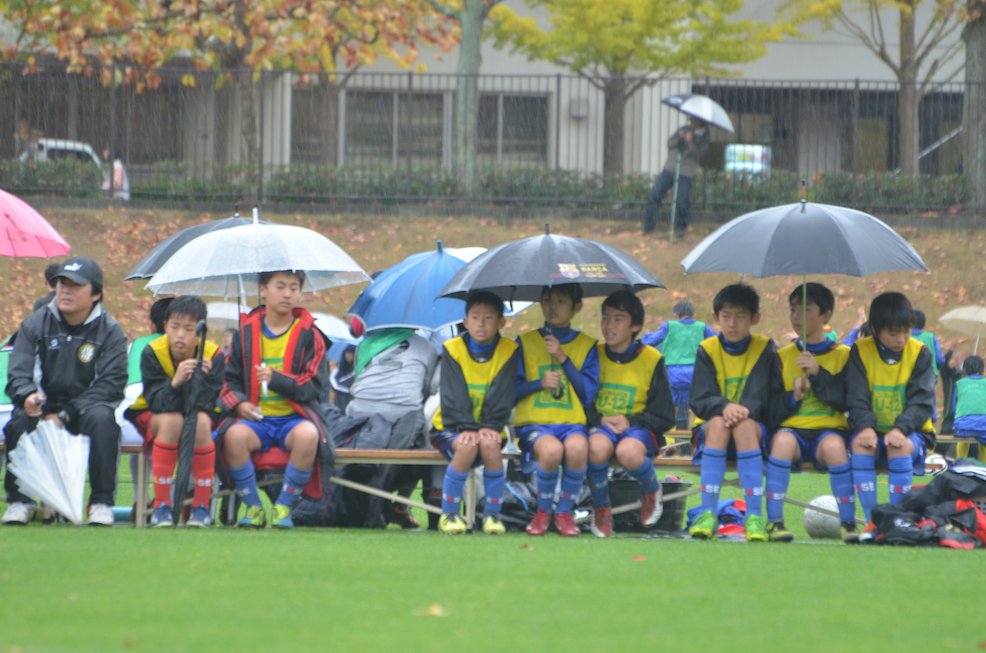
406	294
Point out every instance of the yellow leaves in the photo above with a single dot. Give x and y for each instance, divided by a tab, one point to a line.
327	58
188	80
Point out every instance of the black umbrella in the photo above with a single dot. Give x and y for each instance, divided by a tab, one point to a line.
151	263
518	270
803	238
186	442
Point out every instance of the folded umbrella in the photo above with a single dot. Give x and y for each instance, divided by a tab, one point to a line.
51	464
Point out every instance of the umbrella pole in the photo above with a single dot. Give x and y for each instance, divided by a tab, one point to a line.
975	347
674	195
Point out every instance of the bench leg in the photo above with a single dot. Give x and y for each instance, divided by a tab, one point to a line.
140	493
470	499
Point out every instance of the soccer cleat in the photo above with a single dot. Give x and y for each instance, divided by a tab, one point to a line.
868	534
200	518
777	533
451	523
755	529
705	527
255	517
100	514
566	525
161	517
651	507
402	517
539	525
282	516
493	525
602	522
17	514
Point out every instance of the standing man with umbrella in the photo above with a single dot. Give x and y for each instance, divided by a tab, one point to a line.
687	147
81	354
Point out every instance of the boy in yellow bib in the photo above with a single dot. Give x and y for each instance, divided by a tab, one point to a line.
890	392
166	365
633	409
816	429
736	390
557	377
477	393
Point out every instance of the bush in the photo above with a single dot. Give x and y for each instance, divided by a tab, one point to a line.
71	178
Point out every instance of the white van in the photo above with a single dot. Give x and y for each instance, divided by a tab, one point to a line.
53	149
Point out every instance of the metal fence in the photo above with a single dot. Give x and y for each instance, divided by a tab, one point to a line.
540	140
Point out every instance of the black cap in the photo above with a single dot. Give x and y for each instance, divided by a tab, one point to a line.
80	270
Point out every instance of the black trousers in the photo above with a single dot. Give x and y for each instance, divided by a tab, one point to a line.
664	183
99	423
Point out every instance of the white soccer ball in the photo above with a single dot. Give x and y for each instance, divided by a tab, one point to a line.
819	524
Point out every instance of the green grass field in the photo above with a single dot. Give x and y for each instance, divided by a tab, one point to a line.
99	590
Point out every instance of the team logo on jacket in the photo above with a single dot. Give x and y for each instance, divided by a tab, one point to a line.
86	353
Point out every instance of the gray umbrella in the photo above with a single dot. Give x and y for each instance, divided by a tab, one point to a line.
803	238
518	270
701	107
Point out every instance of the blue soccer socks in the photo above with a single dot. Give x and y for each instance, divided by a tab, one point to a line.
546	482
864	478
571	485
295	481
778	480
900	473
646	476
494	484
598	476
713	470
245	482
452	490
749	464
840	477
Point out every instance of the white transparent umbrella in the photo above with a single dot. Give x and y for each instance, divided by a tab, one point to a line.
224	315
967	320
50	464
226	263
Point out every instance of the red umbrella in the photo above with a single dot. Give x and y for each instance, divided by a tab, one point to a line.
23	232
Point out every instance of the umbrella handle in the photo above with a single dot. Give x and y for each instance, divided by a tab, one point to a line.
556	393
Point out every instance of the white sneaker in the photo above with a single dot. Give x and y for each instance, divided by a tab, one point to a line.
100	514
17	514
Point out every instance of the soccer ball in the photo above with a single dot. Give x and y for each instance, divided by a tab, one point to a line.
935	464
818	524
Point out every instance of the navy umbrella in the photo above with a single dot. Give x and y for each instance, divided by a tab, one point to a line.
154	259
518	270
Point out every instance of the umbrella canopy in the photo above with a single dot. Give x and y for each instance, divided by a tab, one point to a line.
51	463
334	328
164	250
407	294
23	232
224	315
803	238
701	107
518	270
226	263
967	320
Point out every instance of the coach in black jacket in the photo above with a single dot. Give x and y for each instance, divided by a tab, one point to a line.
80	355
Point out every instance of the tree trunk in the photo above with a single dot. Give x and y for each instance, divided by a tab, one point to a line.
327	106
467	95
249	148
908	99
614	93
974	118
